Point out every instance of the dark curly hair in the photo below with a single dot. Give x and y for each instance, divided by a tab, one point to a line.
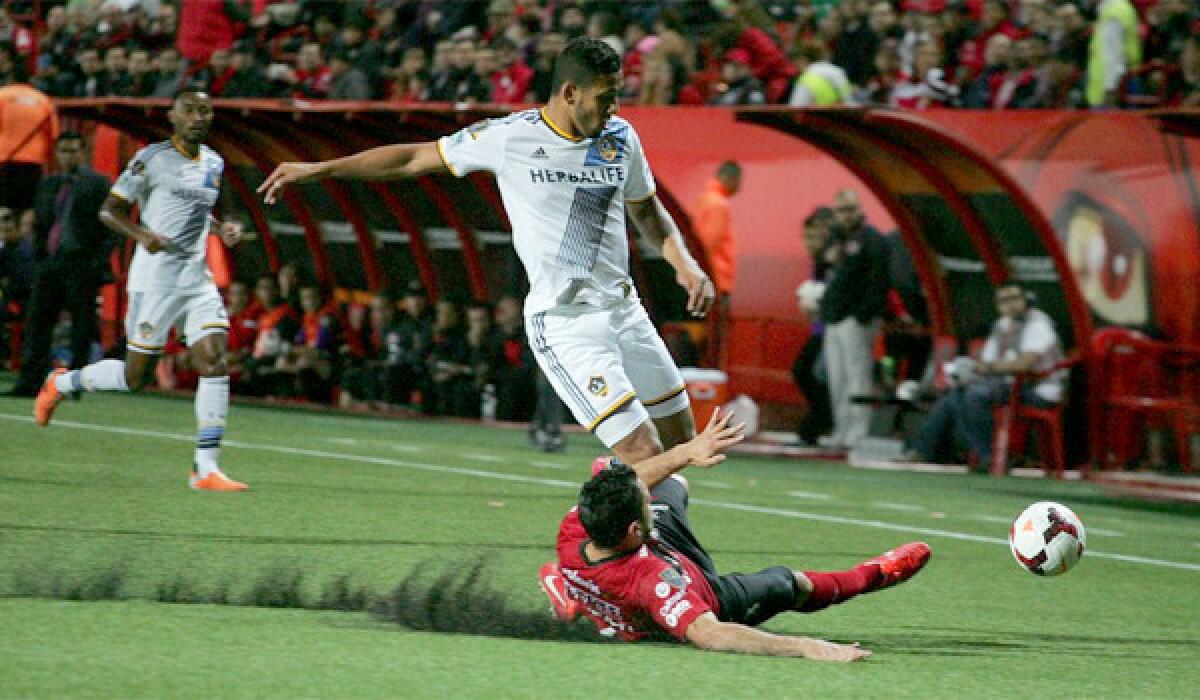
583	60
608	503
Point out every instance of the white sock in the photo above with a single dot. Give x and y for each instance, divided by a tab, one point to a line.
105	375
212	405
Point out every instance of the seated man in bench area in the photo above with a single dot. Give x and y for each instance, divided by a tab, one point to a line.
1022	339
628	560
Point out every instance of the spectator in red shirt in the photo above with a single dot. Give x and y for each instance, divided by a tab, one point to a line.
995	20
311	77
206	25
980	93
926	86
510	83
243	326
629	561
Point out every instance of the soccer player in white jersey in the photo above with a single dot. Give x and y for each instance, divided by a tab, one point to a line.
568	174
175	183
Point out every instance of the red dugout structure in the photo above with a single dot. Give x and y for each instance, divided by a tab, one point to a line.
1099	213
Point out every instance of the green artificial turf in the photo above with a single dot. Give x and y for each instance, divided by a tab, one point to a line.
96	506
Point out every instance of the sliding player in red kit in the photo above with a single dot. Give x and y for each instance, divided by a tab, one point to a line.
628	560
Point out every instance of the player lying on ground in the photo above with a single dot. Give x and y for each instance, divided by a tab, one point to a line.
175	184
628	560
569	174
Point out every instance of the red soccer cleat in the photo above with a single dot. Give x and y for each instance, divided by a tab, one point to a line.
900	564
551	580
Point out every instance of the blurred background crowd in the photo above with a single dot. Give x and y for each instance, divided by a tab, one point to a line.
902	53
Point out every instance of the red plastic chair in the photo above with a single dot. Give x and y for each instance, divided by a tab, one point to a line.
1139	381
1014	420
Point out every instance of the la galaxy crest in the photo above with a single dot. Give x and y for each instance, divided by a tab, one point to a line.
597	385
608	148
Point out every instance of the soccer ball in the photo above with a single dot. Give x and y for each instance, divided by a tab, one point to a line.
1047	539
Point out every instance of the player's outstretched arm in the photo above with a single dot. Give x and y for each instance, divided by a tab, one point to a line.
117	215
709	633
655	223
398	160
704	450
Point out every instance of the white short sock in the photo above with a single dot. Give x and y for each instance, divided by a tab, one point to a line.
105	375
212	405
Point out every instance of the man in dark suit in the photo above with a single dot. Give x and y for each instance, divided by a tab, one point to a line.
72	252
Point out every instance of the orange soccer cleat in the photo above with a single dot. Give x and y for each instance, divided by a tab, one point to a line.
48	398
215	481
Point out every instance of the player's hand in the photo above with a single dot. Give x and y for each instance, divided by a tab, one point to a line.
286	174
699	288
705	449
231	232
154	242
820	650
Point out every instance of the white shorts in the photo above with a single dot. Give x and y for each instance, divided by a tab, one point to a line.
196	312
608	365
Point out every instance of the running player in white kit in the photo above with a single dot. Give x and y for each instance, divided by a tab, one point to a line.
568	174
175	183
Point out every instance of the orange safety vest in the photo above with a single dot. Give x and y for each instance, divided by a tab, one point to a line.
28	125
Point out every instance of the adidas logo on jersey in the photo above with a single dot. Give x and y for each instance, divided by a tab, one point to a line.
540	153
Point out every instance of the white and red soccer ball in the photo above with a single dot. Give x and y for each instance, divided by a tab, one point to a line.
1047	539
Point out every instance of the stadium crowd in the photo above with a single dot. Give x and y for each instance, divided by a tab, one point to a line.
900	53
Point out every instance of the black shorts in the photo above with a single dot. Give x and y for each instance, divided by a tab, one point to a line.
748	599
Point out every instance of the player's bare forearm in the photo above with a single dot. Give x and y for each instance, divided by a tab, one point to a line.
660	467
710	634
117	215
656	225
704	450
392	162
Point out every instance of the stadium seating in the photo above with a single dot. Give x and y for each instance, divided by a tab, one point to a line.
1140	381
1014	420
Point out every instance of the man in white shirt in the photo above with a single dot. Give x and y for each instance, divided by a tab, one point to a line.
568	175
175	183
1022	339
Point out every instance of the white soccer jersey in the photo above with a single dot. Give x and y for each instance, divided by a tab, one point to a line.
565	199
175	194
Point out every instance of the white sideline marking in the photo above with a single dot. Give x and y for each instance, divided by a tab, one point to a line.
480	457
1101	531
574	485
351	442
810	495
713	483
994	518
905	507
547	465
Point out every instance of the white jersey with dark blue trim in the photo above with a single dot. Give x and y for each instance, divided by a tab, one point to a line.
175	195
565	198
